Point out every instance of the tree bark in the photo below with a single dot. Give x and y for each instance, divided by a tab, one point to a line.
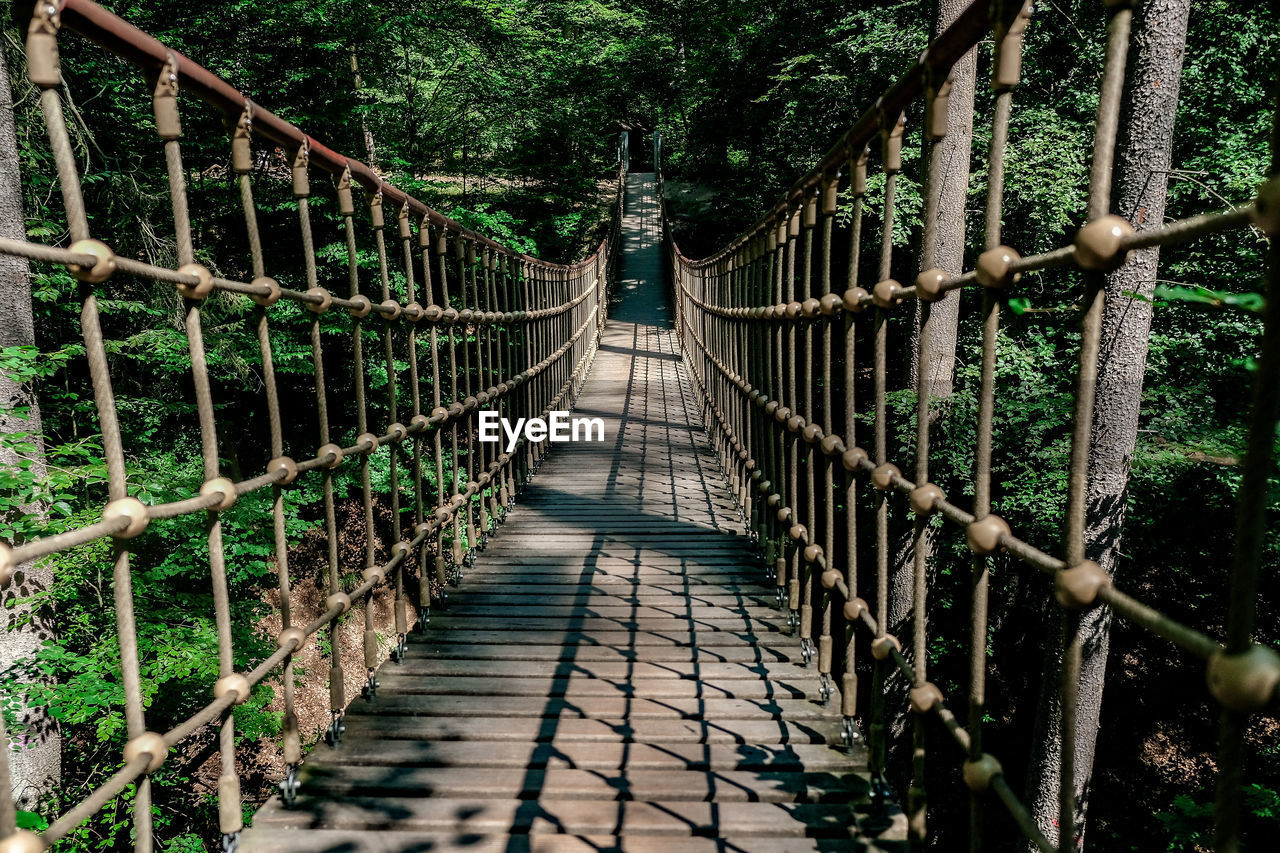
939	359
1143	158
357	86
35	745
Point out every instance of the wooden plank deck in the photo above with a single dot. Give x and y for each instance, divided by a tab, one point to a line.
611	675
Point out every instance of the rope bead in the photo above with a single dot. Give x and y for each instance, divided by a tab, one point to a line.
104	261
320	300
234	683
224	489
204	281
150	744
285	464
980	772
1246	681
883	647
1098	244
884	475
132	509
929	285
271	297
924	499
854	458
855	299
886	294
1266	208
362	306
291	638
854	608
994	266
925	697
984	535
1077	588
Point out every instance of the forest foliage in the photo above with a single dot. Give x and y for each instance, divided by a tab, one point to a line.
505	114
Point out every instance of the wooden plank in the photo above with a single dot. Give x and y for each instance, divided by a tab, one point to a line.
617	594
591	756
630	612
685	629
605	707
359	841
576	686
444	629
570	730
739	653
568	783
421	666
574	817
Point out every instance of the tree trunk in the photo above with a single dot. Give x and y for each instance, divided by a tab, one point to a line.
357	85
35	746
1143	156
939	359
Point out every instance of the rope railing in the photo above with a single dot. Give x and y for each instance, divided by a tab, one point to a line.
764	321
482	325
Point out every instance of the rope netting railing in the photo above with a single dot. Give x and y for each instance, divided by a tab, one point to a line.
482	326
770	328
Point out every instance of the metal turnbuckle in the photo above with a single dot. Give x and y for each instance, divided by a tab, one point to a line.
424	620
401	646
370	689
807	649
779	595
826	689
852	737
334	733
793	619
230	842
289	786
